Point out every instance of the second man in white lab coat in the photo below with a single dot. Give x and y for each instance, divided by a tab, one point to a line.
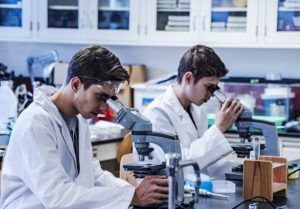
181	111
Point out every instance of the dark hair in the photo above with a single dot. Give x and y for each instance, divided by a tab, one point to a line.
202	61
96	62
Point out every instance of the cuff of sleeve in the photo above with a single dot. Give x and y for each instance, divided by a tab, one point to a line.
129	196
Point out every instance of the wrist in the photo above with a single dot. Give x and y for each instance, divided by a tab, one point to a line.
221	128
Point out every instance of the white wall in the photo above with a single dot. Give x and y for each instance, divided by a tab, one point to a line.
161	60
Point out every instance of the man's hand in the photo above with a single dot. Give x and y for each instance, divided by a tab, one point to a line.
228	113
153	190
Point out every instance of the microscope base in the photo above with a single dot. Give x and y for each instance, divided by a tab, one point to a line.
234	176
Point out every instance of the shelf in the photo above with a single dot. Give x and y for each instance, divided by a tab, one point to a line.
173	10
278	186
284	9
229	9
114	8
276	165
63	7
10	6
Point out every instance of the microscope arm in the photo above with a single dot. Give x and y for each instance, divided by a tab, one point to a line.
269	132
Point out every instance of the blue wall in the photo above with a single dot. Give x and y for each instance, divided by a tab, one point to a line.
161	60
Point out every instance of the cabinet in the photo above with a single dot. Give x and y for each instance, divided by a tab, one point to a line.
217	23
229	21
283	22
114	20
58	20
79	20
15	18
172	21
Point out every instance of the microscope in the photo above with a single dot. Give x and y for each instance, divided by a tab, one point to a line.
143	135
47	63
247	127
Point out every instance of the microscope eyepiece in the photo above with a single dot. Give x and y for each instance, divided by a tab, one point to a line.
213	88
104	97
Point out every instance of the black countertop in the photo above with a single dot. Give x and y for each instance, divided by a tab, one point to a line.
292	201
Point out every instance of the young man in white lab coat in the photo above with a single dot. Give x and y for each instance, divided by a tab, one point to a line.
49	162
181	111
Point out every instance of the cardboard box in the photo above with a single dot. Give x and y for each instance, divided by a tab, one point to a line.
137	75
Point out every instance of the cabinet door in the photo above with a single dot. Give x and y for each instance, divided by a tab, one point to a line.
15	18
62	19
114	20
172	21
283	21
229	21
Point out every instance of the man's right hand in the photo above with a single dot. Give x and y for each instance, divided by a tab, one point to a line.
152	191
228	113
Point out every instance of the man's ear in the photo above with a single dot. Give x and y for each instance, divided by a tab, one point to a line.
188	78
75	84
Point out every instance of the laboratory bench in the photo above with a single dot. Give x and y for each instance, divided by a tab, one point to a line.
105	151
291	201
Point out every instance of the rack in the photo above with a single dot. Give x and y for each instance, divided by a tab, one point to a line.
265	177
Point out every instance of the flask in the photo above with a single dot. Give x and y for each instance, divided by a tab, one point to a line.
8	106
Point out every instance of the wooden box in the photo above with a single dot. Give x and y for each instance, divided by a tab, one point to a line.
265	177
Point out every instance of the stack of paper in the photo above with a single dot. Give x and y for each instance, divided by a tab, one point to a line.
184	4
291	4
166	4
218	26
178	23
236	23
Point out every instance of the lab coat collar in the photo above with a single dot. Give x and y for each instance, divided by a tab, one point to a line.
182	114
42	97
173	101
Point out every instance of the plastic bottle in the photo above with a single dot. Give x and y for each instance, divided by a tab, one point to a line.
295	167
290	170
8	106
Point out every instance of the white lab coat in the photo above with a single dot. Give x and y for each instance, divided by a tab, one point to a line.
40	165
205	145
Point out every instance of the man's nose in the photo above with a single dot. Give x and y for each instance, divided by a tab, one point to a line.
103	106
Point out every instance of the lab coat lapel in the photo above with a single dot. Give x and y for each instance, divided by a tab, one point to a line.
200	118
184	118
68	141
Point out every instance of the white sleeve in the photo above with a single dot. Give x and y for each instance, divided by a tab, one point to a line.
105	178
206	150
42	172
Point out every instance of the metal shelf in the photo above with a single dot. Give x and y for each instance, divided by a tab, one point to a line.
229	9
11	6
113	8
284	9
63	7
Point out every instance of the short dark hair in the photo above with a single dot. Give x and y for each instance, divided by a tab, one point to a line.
201	61
96	62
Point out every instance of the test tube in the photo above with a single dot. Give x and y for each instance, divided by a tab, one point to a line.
256	148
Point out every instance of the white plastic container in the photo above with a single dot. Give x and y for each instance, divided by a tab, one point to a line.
144	94
8	106
278	101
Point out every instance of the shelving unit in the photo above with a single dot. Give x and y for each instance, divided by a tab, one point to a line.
265	177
